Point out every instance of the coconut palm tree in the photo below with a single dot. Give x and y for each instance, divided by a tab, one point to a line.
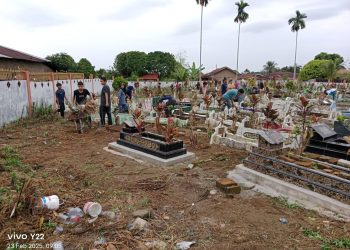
202	3
297	23
270	67
241	17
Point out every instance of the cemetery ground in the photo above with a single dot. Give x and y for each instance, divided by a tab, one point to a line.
77	169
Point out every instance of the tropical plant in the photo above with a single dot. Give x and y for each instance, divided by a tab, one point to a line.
270	67
194	71
297	23
270	114
202	3
241	17
304	108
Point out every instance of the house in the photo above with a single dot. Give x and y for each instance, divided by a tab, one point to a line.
154	77
11	59
219	74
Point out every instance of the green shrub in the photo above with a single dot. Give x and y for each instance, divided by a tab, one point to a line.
118	81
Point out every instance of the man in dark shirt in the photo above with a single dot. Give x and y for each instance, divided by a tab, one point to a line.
224	86
105	107
60	96
80	94
129	91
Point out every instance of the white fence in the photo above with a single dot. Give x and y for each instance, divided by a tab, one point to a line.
18	96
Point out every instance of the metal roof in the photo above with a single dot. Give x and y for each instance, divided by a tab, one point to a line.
18	55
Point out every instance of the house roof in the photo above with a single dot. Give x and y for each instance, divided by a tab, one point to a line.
272	137
279	75
153	76
15	54
218	70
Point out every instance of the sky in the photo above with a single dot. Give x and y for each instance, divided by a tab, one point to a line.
99	30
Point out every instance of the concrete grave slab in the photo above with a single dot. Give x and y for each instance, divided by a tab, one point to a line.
275	187
150	158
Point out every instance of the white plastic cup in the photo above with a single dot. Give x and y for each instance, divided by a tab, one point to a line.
50	202
92	208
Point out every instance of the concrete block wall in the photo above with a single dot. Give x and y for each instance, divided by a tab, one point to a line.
13	101
16	103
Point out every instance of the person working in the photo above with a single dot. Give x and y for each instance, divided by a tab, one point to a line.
230	95
80	94
60	96
105	105
224	86
122	105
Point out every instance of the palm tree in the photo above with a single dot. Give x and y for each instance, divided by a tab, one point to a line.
297	23
241	17
270	67
202	3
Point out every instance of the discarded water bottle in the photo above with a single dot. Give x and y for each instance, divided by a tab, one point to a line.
283	221
75	211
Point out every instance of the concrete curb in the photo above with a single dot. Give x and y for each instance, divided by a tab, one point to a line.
275	187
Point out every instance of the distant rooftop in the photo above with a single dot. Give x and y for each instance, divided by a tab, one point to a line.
18	55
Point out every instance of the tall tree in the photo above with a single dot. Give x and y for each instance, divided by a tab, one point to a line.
338	60
270	67
297	23
160	62
202	3
85	66
62	62
132	62
241	17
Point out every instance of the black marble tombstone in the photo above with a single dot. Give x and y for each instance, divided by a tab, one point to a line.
341	129
326	141
150	143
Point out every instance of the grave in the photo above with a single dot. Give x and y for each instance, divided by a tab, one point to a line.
149	146
326	141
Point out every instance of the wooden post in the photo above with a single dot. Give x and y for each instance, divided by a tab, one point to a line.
53	88
29	93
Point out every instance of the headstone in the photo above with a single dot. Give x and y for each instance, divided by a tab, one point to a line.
323	131
340	129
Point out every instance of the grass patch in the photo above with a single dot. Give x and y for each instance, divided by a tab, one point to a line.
49	225
327	244
283	201
144	202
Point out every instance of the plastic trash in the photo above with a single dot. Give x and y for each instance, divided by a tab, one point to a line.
283	221
58	230
100	241
50	202
93	209
109	214
184	245
75	211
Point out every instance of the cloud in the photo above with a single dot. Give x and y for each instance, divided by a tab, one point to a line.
262	26
33	15
135	9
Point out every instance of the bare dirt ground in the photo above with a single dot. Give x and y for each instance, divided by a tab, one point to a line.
77	169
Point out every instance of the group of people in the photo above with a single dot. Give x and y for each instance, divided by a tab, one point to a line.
81	96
